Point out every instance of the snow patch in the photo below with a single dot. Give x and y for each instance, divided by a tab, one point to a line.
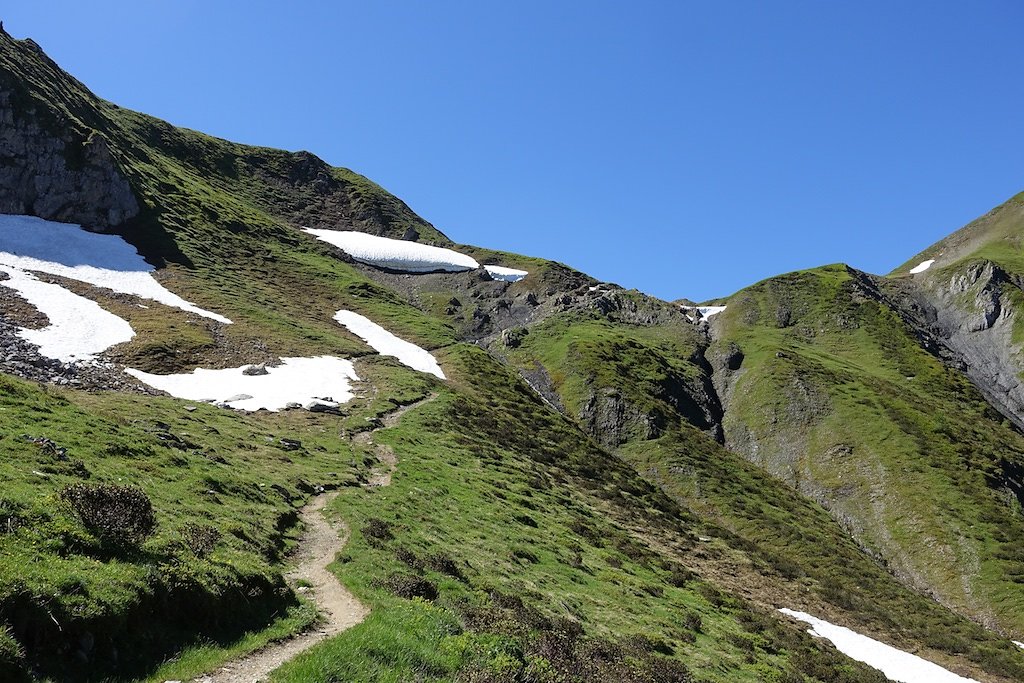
79	328
1019	644
708	311
66	250
922	266
505	274
705	311
323	379
387	344
384	252
895	664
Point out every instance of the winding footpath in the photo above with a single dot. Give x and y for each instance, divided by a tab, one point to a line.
318	548
340	610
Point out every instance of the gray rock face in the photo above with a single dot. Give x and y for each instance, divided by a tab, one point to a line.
58	175
972	314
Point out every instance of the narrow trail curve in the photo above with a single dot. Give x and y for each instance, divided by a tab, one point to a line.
381	476
340	610
318	547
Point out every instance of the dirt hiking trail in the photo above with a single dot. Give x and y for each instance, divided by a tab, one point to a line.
318	547
339	609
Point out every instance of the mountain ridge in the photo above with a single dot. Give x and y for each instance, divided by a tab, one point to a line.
583	426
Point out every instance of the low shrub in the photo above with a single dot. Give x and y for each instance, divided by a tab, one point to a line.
377	529
525	555
444	564
118	515
409	558
409	586
693	622
201	539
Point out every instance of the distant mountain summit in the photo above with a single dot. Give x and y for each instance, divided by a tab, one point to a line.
998	236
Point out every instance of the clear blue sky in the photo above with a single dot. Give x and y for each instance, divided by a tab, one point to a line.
683	148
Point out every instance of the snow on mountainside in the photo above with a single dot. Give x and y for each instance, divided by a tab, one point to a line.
79	329
387	344
896	664
401	255
922	266
67	250
322	380
703	312
505	274
408	257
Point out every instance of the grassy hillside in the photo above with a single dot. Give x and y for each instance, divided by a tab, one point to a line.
996	237
837	397
616	540
530	569
784	548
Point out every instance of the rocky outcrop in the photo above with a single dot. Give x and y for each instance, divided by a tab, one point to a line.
614	415
58	175
972	314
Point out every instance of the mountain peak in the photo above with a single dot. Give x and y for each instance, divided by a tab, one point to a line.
997	236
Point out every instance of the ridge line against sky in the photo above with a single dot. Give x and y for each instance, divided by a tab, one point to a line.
685	149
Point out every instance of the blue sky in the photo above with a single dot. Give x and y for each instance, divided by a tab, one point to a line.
682	148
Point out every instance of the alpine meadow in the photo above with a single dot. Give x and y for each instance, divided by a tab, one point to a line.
260	421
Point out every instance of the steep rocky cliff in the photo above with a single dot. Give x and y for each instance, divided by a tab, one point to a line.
55	166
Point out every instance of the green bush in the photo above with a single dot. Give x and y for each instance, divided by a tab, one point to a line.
119	515
409	586
201	539
377	529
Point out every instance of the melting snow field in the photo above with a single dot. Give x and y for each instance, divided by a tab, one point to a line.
897	665
383	252
79	328
708	311
505	274
387	344
922	266
296	380
66	250
705	311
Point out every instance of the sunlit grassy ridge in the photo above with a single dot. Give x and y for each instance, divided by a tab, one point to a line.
850	378
505	491
996	236
880	419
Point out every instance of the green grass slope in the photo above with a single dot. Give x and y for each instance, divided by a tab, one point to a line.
512	544
998	236
499	505
837	397
784	549
512	517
